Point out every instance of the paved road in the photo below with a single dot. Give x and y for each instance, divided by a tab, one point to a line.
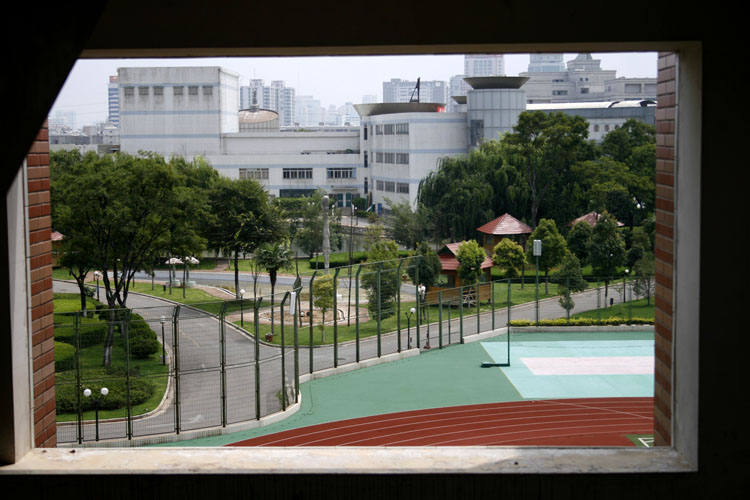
200	377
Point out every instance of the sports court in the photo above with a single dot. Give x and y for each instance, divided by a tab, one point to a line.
566	389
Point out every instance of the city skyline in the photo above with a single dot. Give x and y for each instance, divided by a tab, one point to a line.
332	80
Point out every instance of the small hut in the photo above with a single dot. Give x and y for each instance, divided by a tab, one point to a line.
591	219
495	230
448	260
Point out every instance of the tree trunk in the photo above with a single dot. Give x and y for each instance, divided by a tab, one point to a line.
272	276
236	275
109	341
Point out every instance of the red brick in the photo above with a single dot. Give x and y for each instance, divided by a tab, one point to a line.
39	197
39	147
663	204
38	172
41	273
41	235
665	165
40	223
39	210
663	127
43	135
664	153
41	248
38	185
41	260
666	192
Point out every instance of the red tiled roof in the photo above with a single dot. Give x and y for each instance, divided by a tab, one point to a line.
450	262
505	224
591	218
55	236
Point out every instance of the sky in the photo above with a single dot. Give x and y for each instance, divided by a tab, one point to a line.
332	80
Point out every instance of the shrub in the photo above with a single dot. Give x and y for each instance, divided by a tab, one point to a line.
90	334
143	341
583	322
65	356
66	399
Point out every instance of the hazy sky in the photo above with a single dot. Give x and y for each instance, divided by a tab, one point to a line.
332	80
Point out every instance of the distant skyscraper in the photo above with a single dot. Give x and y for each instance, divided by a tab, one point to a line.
540	63
369	99
398	90
484	65
308	111
66	119
276	97
458	87
113	96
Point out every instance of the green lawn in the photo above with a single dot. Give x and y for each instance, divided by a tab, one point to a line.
635	309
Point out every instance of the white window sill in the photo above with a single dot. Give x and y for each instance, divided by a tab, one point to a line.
381	460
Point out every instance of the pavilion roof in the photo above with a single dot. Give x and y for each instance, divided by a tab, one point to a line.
505	224
449	261
591	219
55	236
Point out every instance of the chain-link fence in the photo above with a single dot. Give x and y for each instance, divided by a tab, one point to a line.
130	373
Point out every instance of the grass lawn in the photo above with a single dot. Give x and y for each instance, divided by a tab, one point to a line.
638	309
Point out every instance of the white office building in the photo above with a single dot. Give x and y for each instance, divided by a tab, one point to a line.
398	90
113	101
484	65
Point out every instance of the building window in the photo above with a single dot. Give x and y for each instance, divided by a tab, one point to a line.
192	90
158	90
606	128
379	185
179	90
402	187
365	132
390	187
142	90
584	91
208	90
389	157
297	173
389	129
378	130
402	128
402	158
128	91
596	128
559	92
254	173
340	173
365	156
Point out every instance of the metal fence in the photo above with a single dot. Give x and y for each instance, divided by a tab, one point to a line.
178	368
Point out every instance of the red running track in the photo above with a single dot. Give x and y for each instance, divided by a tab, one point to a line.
552	422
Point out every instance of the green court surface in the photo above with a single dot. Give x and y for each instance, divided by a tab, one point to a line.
437	378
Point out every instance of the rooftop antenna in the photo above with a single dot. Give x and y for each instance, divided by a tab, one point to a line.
416	89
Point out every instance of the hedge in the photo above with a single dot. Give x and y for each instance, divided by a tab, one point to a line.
65	356
583	322
342	259
66	399
90	334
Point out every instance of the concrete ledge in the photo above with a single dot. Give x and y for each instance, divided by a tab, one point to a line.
356	366
485	335
595	328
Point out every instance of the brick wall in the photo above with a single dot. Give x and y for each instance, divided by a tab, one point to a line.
664	251
40	268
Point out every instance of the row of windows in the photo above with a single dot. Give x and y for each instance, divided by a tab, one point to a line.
391	129
397	158
254	173
341	173
158	90
297	173
392	187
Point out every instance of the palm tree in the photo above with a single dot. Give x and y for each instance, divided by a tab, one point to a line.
273	257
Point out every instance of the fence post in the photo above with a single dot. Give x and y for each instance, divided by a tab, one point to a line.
598	301
223	360
419	306
335	318
297	303
78	376
508	305
256	327
398	304
492	303
569	298
477	305
310	311
176	349
461	314
356	308
440	319
125	331
283	353
380	268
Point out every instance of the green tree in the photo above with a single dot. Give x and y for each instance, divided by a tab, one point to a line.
640	245
121	208
643	276
240	219
323	299
428	265
403	225
274	257
578	240
554	248
509	257
382	255
569	279
470	257
607	250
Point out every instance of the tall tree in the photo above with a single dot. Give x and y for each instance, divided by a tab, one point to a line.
509	257
323	300
578	240
274	257
240	219
569	279
382	259
643	276
403	225
470	258
428	265
607	249
554	248
124	206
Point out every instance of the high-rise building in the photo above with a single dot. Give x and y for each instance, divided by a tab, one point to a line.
484	65
398	90
308	112
275	97
541	63
113	100
457	88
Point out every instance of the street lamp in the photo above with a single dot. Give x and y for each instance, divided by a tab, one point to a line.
87	392
163	349
96	276
408	327
624	286
242	309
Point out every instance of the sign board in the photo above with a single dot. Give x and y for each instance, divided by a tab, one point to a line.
537	248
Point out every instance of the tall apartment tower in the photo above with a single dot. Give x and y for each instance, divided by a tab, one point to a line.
545	63
484	65
113	98
276	97
398	90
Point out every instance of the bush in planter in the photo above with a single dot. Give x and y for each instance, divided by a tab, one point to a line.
143	341
66	399
90	334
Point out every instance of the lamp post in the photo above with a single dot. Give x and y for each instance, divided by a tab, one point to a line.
537	252
163	349
624	286
87	392
242	309
96	276
408	327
